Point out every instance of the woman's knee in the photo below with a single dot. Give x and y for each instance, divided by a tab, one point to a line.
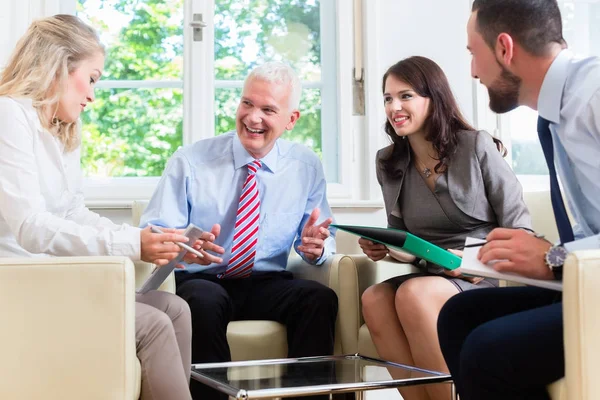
373	298
423	293
172	305
178	309
156	323
410	295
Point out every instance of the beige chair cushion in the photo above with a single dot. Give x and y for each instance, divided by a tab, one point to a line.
257	340
558	390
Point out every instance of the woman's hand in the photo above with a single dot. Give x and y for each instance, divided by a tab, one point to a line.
375	251
159	248
455	273
402	256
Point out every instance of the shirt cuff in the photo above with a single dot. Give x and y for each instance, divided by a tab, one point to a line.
126	243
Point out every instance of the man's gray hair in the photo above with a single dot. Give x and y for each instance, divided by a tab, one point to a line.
278	72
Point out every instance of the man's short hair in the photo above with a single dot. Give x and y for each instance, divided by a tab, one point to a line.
534	24
280	73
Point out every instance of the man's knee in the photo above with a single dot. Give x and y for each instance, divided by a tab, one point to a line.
483	351
447	316
325	297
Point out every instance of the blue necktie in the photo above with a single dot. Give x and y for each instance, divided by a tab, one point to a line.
565	231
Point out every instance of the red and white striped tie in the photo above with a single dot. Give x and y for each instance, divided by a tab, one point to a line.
245	235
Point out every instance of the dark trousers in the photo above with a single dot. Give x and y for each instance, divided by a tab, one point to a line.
307	308
503	343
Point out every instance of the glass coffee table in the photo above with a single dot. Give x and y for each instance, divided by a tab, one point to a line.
265	379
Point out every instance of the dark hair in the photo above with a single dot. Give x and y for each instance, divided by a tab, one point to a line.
534	24
444	120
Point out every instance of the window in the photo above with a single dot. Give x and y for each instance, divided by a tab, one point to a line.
165	87
136	121
518	128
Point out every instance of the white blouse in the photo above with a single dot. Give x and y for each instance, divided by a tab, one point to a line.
42	211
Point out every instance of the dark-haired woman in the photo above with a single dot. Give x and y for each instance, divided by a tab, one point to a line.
442	180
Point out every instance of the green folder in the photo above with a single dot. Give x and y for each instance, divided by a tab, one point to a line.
407	242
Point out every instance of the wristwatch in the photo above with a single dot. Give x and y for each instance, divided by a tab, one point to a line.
555	259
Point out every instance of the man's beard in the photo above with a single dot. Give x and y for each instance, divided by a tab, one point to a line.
504	92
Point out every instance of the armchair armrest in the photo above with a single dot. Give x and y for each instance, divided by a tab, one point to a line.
143	271
339	273
581	297
70	323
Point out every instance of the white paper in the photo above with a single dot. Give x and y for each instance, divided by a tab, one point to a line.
472	266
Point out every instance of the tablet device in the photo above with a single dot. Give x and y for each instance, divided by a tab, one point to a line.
159	275
407	242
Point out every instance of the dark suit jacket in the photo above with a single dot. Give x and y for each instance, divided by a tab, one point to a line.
480	181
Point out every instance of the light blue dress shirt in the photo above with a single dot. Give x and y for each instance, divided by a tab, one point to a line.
570	100
202	184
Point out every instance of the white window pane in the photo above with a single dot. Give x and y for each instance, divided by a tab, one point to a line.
144	39
527	155
248	33
131	132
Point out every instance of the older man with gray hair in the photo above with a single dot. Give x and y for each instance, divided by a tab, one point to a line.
261	194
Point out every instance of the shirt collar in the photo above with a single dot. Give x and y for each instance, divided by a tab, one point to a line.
550	98
241	157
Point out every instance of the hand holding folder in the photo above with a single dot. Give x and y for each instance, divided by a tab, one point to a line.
402	240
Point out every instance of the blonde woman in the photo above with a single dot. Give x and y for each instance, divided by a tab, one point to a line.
47	83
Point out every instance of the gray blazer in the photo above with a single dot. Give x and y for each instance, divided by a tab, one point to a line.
480	182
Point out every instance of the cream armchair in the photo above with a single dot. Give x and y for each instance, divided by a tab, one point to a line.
252	340
68	330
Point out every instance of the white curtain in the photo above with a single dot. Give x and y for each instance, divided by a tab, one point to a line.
18	14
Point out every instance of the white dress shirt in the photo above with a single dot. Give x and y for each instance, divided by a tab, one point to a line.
570	100
42	211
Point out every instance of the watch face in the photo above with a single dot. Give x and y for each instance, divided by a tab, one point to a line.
556	256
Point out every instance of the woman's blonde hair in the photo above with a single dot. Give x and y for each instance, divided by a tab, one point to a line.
40	64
